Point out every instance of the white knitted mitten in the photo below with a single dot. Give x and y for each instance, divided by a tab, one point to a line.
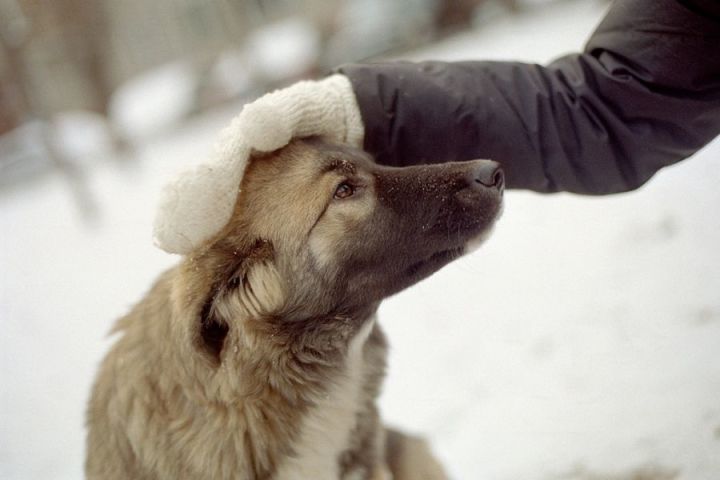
326	108
198	203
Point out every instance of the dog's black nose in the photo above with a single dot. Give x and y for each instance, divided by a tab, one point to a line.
488	174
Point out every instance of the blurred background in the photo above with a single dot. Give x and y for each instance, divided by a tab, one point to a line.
132	69
581	343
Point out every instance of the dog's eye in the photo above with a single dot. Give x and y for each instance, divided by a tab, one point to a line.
344	190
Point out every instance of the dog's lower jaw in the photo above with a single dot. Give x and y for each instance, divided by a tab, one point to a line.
477	241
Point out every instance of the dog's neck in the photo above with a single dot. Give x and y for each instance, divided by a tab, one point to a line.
277	379
327	425
294	354
304	382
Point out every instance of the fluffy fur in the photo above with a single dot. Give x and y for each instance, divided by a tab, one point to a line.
259	356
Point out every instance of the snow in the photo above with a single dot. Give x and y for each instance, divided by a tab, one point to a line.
581	342
282	50
154	100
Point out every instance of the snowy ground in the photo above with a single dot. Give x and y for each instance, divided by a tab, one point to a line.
582	342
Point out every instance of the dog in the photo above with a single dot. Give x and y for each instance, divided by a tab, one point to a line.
258	356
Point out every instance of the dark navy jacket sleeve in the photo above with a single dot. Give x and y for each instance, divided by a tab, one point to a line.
644	94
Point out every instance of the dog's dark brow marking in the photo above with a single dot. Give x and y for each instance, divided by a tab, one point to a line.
340	165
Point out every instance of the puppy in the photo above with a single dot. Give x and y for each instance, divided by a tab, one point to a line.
258	356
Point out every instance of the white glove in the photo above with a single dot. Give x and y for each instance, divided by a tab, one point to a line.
199	202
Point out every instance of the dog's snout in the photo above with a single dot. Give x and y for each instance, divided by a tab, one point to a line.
488	173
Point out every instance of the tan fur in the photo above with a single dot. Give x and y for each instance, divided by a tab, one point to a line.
409	457
253	358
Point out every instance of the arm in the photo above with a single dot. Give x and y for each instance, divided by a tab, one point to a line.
644	94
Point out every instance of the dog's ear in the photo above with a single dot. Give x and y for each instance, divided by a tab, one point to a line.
248	286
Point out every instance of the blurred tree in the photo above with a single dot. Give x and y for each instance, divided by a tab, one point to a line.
14	102
53	59
58	54
454	15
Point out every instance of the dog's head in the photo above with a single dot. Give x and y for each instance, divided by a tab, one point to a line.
321	229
